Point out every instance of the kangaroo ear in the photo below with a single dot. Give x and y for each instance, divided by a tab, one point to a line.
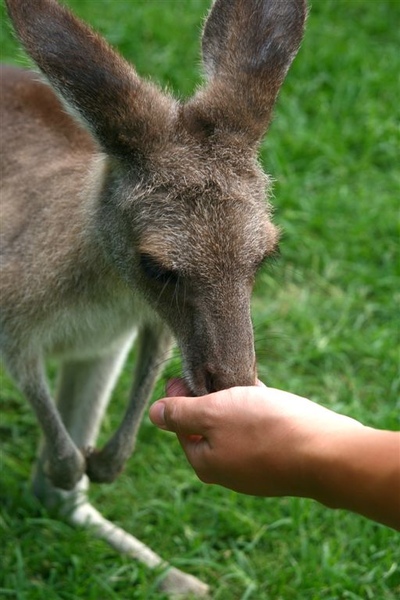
125	114
248	47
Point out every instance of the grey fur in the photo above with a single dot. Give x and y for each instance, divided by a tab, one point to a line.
141	215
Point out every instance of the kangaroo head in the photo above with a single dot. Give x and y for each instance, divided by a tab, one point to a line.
182	206
192	232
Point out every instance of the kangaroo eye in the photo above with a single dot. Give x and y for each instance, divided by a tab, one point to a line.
156	272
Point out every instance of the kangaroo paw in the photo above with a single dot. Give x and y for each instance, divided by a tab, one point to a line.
102	468
65	472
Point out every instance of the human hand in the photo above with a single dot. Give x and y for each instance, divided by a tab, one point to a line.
254	440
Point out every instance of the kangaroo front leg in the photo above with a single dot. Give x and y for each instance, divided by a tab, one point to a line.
65	464
154	344
84	389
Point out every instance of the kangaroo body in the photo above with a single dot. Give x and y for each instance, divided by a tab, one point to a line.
132	215
48	228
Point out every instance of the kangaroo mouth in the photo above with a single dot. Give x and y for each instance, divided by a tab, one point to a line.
203	381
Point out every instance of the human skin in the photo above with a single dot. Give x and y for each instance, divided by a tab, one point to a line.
267	442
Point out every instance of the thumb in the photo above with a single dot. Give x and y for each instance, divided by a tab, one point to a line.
182	415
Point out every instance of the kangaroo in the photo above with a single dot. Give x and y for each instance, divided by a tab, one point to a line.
128	214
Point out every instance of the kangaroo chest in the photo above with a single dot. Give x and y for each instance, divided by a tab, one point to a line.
90	329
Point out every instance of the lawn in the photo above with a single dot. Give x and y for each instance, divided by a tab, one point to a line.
326	322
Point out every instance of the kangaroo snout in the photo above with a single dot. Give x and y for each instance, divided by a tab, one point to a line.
231	364
229	368
220	354
220	377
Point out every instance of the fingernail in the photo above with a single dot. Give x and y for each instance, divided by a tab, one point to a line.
157	412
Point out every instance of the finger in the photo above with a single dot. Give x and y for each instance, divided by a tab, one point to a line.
185	416
191	439
156	414
197	449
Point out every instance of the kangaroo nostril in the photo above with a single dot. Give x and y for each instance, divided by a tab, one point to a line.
210	381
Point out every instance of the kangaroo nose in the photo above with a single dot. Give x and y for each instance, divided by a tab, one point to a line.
211	382
215	381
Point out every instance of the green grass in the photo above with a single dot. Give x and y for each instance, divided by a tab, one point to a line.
326	326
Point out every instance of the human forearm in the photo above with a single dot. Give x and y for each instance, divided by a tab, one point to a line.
359	470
